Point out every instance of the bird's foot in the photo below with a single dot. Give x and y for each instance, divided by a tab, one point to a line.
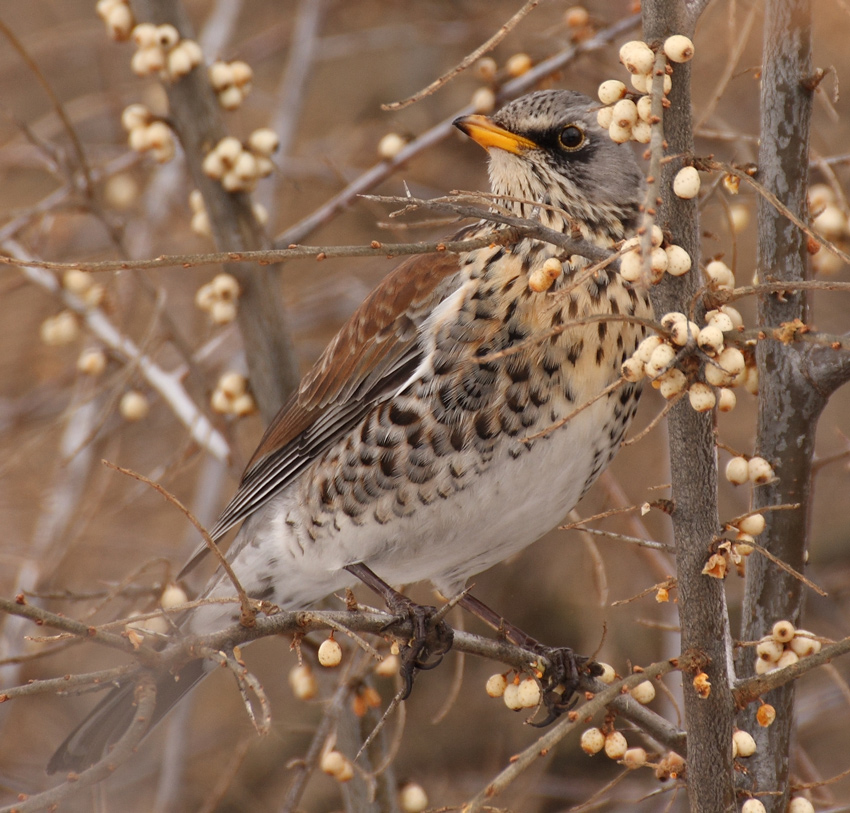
431	639
561	679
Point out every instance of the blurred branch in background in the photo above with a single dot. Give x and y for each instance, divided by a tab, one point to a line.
117	344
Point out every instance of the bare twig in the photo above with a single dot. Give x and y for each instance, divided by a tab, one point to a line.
468	60
249	612
145	700
439	132
545	743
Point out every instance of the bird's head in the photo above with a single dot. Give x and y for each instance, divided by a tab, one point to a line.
548	148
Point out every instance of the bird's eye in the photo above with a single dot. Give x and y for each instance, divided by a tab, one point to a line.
571	137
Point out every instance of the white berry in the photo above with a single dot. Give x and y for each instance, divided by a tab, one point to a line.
330	653
615	745
760	472
637	56
518	64
646	348
641	132
496	685
737	471
92	362
720	320
611	91
634	758
782	631
618	133
644	692
686	183
412	798
133	406
752	525
788	658
263	141
337	765
631	265
804	644
678	260
673	382
303	682
710	340
390	146
173	596
528	693
592	741
511	697
678	48
769	649
604	117
661	358
625	113
720	274
752	806
726	399
701	397
483	100
800	804
743	744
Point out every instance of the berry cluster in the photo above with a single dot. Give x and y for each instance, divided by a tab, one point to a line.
784	646
147	133
628	116
670	361
239	166
231	82
117	16
219	298
231	396
672	259
160	50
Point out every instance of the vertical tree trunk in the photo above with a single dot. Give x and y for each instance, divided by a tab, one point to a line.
693	466
789	404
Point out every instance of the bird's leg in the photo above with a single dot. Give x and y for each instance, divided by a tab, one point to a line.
561	679
430	641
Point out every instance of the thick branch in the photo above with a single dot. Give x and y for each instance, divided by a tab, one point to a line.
195	116
702	606
789	406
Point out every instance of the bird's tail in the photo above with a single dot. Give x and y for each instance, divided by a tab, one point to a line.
110	718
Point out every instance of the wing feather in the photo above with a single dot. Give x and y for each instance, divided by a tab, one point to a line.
368	359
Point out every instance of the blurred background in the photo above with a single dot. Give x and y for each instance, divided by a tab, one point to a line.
73	528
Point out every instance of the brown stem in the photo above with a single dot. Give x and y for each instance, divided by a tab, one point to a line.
702	606
195	116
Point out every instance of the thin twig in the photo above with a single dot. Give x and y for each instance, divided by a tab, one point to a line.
124	748
787	568
545	743
249	613
589	403
468	60
380	172
780	207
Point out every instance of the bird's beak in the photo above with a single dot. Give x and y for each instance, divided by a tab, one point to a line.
483	131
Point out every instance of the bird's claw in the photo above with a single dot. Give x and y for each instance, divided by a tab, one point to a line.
428	644
561	680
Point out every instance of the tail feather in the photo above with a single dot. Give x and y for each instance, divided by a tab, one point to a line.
110	718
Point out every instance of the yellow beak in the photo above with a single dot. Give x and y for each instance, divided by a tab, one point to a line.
483	131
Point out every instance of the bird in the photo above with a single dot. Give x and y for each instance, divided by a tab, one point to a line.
435	436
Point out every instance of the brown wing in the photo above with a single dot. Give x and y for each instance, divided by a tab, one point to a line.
366	362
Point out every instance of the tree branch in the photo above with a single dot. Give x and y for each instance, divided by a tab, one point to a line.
195	116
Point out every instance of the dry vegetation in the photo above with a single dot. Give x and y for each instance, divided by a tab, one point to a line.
83	540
